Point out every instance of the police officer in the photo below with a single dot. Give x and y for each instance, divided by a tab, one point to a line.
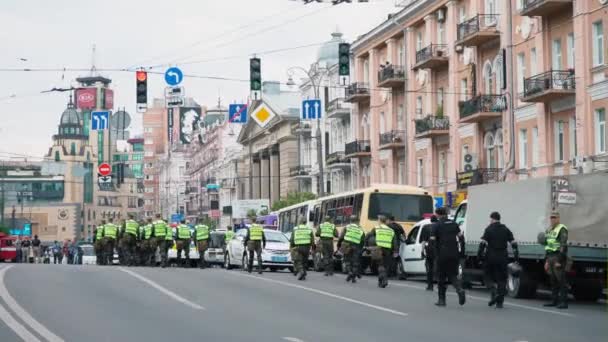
169	243
429	253
201	235
255	241
159	232
99	243
385	247
351	241
448	242
228	236
301	239
556	259
146	247
182	243
110	234
129	239
327	232
493	249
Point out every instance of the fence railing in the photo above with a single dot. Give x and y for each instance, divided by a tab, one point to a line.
301	170
357	88
336	158
357	146
391	72
478	23
432	122
482	103
431	51
391	137
554	79
477	176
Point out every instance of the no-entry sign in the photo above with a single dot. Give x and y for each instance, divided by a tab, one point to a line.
104	169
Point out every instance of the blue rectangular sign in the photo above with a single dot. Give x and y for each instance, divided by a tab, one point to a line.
311	109
100	120
237	113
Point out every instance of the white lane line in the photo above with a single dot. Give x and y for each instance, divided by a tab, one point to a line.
324	293
292	339
12	323
24	315
163	290
486	299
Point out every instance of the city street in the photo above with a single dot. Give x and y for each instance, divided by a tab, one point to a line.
67	303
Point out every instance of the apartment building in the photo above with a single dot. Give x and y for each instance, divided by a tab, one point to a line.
452	93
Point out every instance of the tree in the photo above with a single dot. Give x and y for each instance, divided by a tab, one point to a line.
293	198
251	214
209	222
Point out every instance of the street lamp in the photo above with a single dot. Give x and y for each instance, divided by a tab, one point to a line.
314	75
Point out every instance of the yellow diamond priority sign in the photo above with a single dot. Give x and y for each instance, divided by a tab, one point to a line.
263	115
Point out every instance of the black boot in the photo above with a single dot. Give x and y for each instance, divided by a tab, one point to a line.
499	304
554	302
563	299
349	277
493	299
461	297
302	276
441	300
429	287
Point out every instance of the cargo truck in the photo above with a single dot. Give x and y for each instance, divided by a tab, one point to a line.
525	207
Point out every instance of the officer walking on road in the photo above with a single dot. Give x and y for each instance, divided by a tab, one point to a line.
228	236
169	242
557	258
327	232
429	253
383	238
110	234
351	240
302	240
201	235
129	239
146	244
99	243
254	242
160	232
182	243
448	242
493	250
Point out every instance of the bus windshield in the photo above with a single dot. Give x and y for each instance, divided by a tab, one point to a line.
403	207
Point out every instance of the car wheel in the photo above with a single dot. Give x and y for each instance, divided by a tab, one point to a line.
244	262
523	286
589	290
316	262
227	264
273	269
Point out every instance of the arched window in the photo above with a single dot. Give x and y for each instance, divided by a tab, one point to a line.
487	78
57	157
490	150
382	122
499	149
365	126
366	71
498	72
88	156
73	149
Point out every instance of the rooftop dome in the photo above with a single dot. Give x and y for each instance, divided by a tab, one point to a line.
328	52
70	116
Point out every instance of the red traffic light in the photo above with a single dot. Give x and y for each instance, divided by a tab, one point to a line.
141	76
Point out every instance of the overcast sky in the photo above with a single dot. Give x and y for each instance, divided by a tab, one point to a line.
128	33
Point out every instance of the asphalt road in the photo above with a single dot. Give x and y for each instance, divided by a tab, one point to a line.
90	303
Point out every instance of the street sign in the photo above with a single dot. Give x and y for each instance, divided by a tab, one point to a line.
105	180
174	76
175	91
237	113
311	109
100	120
438	202
104	169
566	198
174	101
263	115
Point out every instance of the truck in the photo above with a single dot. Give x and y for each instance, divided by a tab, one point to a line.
525	207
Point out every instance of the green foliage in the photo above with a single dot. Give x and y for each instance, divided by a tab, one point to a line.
293	198
439	111
251	214
263	212
209	222
4	230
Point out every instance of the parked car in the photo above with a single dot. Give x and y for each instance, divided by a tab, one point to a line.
215	250
275	256
412	260
88	255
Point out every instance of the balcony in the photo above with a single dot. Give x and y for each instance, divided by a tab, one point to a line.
478	30
301	171
302	128
432	126
391	76
477	177
481	108
358	149
336	109
533	8
549	86
337	160
357	92
392	139
432	57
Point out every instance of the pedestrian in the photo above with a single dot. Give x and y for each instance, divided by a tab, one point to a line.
400	236
556	250
25	251
384	245
302	240
493	251
74	252
255	242
111	235
327	232
98	243
47	255
36	249
129	239
56	252
159	233
201	235
428	253
448	241
18	249
351	241
182	242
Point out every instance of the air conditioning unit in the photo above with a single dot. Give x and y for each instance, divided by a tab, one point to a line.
470	162
441	15
459	48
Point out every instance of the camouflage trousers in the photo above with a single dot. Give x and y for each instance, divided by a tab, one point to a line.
352	255
147	251
327	253
108	250
162	244
383	257
301	258
202	246
254	247
183	245
99	251
127	246
556	269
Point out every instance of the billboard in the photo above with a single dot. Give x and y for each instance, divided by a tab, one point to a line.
108	99
170	125
86	98
241	207
188	122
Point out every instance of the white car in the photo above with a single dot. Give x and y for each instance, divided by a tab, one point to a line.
275	256
412	260
88	255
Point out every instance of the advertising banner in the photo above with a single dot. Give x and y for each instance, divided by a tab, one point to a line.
170	125
241	207
86	98
188	122
108	99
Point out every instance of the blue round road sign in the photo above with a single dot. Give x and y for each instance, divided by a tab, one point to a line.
174	76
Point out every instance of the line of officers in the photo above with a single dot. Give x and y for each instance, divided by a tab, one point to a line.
137	242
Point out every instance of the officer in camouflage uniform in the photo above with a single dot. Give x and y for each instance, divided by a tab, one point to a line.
183	243
201	236
384	241
255	241
129	239
99	243
169	242
159	232
110	235
302	239
351	241
327	232
557	259
147	251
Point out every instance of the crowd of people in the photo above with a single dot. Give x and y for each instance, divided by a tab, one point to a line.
33	251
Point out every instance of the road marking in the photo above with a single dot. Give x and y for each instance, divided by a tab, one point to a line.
22	314
485	299
163	290
324	293
292	339
12	323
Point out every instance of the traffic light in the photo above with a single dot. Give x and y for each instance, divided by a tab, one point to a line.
255	74
344	59
142	87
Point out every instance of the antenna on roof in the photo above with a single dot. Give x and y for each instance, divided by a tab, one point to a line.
93	57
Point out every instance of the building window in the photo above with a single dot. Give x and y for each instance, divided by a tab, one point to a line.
490	151
465	151
571	50
559	141
556	58
419	107
490	7
523	148
382	123
148	141
600	130
148	130
498	73
535	154
440	93
487	77
533	61
442	167
440	33
401	60
401	171
521	71
73	149
149	154
420	172
598	43
366	71
57	157
464	89
150	177
462	14
383	175
572	137
418	41
401	117
499	149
